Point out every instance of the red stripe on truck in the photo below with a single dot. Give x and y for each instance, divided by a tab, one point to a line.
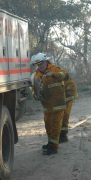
15	71
25	70
15	60
19	60
4	72
3	60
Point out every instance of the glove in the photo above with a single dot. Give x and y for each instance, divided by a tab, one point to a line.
39	98
49	74
34	96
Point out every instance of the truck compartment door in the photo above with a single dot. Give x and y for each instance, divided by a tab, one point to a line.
24	49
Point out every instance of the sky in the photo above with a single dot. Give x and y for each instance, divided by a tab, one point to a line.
75	1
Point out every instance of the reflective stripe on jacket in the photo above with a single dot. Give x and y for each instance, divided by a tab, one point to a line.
70	90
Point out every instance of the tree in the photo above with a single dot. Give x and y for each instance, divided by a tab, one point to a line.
46	17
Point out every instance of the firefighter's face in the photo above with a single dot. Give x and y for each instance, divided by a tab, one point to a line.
43	66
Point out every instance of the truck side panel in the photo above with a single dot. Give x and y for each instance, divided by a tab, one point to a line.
4	69
24	48
14	49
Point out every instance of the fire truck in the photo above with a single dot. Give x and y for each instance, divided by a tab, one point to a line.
14	81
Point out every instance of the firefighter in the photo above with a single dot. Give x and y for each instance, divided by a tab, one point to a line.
71	94
48	87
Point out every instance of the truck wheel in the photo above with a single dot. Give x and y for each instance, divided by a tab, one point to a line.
6	145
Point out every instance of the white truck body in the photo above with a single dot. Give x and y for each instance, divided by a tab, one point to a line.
14	80
14	48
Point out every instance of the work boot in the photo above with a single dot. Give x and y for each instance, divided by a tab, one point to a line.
45	146
63	139
50	151
63	136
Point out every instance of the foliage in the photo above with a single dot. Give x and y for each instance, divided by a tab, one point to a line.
52	24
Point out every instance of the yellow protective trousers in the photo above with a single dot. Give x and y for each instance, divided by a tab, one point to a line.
67	111
53	122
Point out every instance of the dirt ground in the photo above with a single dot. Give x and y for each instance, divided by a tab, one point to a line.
73	161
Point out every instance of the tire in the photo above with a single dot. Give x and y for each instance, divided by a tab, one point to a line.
6	145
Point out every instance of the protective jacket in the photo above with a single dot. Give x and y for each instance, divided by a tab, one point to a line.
52	89
70	90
